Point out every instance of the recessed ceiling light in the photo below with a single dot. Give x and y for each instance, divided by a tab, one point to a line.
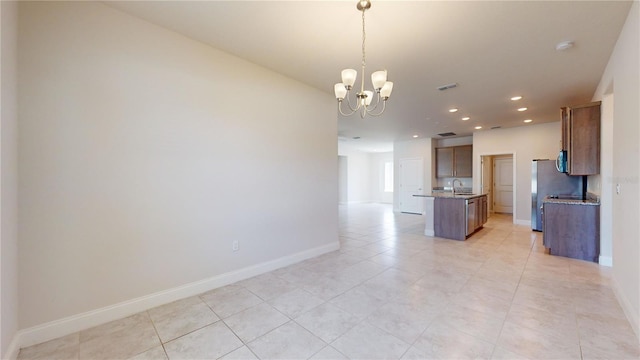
447	87
465	118
515	98
528	120
522	109
478	127
453	110
564	45
415	136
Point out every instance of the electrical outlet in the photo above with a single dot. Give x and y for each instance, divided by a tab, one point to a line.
235	245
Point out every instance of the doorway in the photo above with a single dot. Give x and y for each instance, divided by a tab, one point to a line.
503	184
497	182
411	183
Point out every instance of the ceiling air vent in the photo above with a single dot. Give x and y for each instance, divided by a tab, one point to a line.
447	87
447	134
496	127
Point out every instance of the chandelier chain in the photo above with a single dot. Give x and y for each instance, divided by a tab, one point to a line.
364	36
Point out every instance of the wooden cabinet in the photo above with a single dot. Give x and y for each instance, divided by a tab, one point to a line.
455	161
462	160
451	216
581	138
572	230
483	210
444	162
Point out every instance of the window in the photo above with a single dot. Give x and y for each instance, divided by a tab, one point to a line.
388	176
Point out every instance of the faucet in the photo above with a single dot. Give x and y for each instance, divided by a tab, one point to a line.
453	185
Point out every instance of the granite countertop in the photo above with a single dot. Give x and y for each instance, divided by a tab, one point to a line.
572	200
449	195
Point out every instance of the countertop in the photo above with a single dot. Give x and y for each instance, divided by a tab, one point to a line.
451	195
571	201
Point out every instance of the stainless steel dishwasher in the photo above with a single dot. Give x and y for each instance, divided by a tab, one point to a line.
471	206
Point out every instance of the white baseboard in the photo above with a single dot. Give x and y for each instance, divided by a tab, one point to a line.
522	222
605	261
13	350
632	316
430	233
69	325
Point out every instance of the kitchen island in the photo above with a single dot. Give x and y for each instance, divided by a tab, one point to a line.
453	215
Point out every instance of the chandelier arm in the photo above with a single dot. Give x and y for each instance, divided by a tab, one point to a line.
384	105
373	106
353	109
342	113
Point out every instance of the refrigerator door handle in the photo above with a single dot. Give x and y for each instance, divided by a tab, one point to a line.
558	163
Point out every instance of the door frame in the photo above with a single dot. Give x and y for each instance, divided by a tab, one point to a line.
515	184
496	159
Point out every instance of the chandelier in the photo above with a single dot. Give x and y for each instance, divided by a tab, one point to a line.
364	98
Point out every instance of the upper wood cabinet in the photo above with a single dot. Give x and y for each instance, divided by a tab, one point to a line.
581	138
462	159
455	161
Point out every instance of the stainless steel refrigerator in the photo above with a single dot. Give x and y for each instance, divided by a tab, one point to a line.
547	180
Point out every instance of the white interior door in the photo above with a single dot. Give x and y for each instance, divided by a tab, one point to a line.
503	185
411	183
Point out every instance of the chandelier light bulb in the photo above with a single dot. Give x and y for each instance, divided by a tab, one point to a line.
367	100
378	79
349	77
340	91
385	92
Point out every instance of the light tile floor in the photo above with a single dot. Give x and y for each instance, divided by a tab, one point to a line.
392	293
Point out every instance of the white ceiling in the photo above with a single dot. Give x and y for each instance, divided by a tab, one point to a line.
492	49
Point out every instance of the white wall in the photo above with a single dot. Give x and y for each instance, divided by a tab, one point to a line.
377	177
418	148
144	154
622	79
365	180
8	180
343	179
525	143
606	172
358	174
